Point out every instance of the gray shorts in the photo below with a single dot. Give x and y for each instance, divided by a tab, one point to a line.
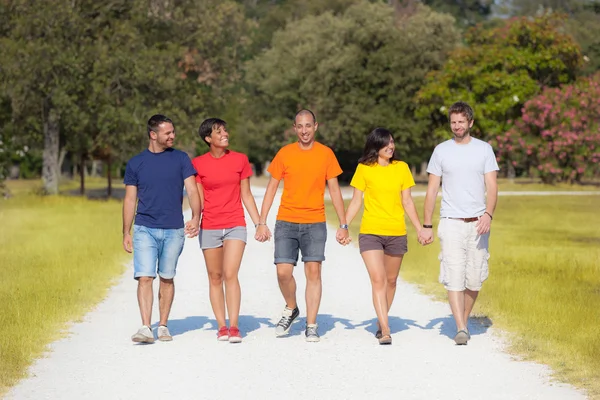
214	238
391	245
290	238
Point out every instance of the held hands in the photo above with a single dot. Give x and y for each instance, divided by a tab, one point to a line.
263	234
192	227
425	236
343	236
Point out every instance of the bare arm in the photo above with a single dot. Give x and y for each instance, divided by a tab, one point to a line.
262	231
354	205
129	203
433	186
248	200
491	187
192	226
410	209
335	193
200	195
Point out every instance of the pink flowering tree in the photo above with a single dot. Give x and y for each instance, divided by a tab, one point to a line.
558	134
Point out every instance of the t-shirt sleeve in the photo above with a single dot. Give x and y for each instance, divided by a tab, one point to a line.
490	160
276	167
435	163
246	168
187	169
196	164
333	166
130	177
358	180
407	178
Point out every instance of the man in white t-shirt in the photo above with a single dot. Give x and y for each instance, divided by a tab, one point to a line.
467	169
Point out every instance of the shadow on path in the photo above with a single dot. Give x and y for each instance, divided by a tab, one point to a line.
247	324
478	325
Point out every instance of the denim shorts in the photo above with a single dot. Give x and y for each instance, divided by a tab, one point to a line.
464	256
214	238
156	249
291	237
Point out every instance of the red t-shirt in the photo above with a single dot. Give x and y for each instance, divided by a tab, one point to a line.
220	178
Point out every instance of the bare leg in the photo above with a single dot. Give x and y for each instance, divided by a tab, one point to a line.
392	269
470	297
145	298
166	293
214	267
232	259
374	261
312	270
287	284
457	305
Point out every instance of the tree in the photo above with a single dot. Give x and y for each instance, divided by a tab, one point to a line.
498	70
466	12
357	71
558	134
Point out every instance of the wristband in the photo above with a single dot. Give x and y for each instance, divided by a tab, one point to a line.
344	226
260	223
491	218
428	226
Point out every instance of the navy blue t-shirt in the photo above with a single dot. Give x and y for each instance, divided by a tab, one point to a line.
159	179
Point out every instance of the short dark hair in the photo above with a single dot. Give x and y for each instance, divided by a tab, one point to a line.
207	126
156	120
460	107
377	140
304	112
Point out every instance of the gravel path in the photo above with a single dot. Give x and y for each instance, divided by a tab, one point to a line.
98	361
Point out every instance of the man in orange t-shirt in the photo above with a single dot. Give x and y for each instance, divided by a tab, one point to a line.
305	167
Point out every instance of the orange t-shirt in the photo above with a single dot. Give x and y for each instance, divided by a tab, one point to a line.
304	174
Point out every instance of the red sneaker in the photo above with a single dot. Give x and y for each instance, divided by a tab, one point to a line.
223	334
234	335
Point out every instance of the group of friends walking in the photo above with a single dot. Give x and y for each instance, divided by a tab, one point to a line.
218	183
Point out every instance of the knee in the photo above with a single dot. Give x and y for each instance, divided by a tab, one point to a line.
284	276
313	274
230	276
391	282
145	281
215	278
164	281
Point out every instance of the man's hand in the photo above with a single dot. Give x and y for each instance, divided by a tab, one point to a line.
192	227
127	242
484	224
426	236
343	236
263	233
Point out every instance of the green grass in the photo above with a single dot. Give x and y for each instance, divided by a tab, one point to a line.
59	255
544	284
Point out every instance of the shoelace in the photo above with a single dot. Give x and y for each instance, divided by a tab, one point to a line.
311	331
285	320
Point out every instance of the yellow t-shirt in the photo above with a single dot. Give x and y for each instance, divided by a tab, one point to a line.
382	187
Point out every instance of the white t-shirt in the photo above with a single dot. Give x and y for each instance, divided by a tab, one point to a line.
462	167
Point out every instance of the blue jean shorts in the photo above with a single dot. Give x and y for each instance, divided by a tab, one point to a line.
290	238
156	249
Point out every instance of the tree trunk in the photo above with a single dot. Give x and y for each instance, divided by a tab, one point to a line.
61	159
423	172
510	171
50	172
82	173
109	175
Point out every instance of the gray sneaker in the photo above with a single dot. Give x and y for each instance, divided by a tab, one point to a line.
143	335
285	323
311	333
163	334
461	337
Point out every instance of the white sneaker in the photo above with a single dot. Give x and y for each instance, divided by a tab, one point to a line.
143	335
163	334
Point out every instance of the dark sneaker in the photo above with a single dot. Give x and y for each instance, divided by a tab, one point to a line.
311	333
461	337
285	323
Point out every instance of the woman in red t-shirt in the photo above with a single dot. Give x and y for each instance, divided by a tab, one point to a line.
223	179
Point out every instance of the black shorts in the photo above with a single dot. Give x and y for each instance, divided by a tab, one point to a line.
391	245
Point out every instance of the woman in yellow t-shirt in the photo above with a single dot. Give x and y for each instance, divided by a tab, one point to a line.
385	183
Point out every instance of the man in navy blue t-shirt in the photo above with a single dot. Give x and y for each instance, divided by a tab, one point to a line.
155	179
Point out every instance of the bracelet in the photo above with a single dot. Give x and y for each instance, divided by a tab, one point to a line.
491	218
260	223
428	226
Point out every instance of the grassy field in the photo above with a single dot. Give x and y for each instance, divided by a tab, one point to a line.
59	255
544	284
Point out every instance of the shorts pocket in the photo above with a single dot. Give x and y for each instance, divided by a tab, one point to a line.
443	279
